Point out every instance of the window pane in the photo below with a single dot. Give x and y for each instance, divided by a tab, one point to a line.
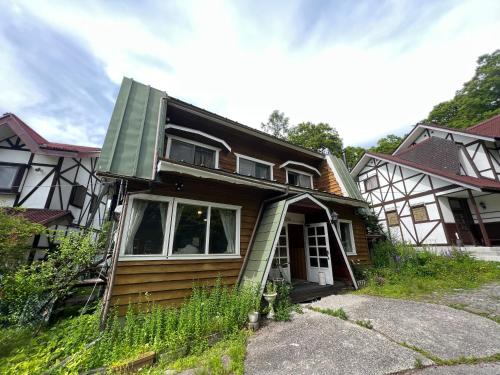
262	171
222	231
146	227
311	231
419	214
322	252
204	157
345	234
322	240
312	241
321	231
190	229
293	178
312	251
371	183
314	262
182	151
323	262
8	174
247	167
78	195
305	181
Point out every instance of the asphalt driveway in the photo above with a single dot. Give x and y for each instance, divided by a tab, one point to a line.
316	343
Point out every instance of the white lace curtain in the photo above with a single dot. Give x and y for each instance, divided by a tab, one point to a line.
228	219
138	208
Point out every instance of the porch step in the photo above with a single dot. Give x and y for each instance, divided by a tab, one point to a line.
308	291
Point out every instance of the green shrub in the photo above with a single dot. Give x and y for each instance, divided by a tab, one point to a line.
283	304
400	270
184	330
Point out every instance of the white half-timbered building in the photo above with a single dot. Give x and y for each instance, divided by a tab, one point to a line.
56	183
440	187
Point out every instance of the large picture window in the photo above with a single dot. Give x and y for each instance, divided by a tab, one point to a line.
174	227
248	166
192	152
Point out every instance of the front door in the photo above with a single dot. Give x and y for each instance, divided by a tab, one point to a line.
318	252
296	247
463	220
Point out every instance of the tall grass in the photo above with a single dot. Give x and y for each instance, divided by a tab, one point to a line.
184	330
399	270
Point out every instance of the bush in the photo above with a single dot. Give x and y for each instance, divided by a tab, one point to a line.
29	292
400	270
283	304
184	330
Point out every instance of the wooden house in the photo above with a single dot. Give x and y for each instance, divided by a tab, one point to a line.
55	183
441	187
207	197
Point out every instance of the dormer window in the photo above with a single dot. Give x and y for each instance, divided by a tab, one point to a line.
192	152
298	178
248	166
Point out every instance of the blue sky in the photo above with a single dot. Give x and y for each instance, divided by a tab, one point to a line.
368	68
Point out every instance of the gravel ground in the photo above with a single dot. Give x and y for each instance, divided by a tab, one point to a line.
479	369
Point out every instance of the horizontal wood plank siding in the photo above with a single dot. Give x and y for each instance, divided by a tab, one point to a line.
170	280
327	181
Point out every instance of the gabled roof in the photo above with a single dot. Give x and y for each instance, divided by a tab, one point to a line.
487	128
39	145
342	175
438	153
43	216
135	132
466	181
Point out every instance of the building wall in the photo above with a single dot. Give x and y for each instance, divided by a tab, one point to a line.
48	181
400	189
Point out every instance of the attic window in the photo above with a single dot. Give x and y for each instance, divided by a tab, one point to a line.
77	197
371	183
10	177
192	153
249	166
298	178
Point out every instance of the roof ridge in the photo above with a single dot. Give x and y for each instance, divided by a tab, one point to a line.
483	122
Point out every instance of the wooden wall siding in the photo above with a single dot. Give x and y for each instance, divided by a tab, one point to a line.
245	144
170	281
327	181
358	226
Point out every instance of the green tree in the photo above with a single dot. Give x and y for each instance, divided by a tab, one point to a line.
352	155
388	144
319	137
477	100
277	124
16	238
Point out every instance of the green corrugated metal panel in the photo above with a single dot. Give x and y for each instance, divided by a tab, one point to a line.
262	246
129	146
345	176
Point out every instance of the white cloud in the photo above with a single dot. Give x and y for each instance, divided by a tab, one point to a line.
216	56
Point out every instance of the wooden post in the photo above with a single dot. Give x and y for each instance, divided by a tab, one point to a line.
487	241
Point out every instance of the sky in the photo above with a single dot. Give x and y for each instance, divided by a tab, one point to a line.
368	68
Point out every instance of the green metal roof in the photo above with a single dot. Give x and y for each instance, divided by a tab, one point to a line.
261	252
129	146
345	177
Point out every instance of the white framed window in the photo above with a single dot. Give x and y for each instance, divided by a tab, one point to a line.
185	150
158	227
11	175
347	236
299	178
249	166
145	233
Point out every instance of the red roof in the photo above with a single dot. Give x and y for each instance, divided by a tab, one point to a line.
35	141
481	183
488	128
43	216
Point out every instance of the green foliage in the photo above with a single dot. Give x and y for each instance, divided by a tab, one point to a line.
283	307
183	330
388	144
276	125
367	323
16	236
319	137
34	288
477	100
401	271
352	155
338	313
271	287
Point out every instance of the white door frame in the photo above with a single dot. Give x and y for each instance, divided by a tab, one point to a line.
313	271
286	271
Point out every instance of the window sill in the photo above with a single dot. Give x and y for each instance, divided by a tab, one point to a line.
176	257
